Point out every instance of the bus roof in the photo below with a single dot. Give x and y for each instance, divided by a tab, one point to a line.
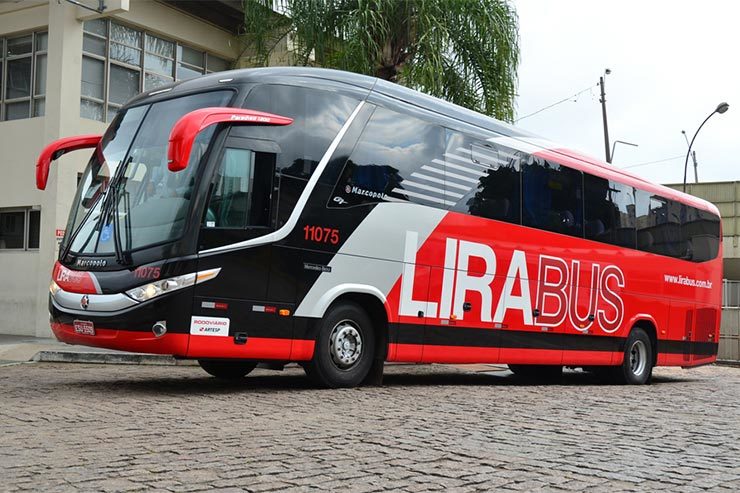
515	137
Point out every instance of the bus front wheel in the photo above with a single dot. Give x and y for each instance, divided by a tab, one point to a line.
637	367
227	370
344	347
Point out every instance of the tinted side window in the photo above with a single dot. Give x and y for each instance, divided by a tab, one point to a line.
659	225
552	197
609	211
487	177
701	233
317	118
392	152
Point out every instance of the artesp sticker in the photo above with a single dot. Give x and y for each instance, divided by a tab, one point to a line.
209	326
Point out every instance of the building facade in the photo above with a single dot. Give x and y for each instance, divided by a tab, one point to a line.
66	70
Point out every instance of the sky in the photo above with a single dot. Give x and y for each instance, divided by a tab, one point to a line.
671	62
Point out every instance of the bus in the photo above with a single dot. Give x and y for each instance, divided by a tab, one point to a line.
302	215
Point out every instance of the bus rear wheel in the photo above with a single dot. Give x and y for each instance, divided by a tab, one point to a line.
542	373
227	370
345	346
637	367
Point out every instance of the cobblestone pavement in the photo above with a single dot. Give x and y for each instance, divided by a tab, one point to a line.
125	428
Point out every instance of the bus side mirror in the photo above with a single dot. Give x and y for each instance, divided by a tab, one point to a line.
186	129
56	149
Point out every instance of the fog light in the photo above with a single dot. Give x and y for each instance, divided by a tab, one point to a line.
160	328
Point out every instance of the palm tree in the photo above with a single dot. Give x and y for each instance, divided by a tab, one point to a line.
464	51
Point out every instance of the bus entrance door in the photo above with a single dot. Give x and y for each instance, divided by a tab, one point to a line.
232	315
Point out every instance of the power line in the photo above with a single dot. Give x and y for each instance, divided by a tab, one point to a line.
556	103
654	162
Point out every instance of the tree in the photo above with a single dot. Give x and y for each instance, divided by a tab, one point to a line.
464	51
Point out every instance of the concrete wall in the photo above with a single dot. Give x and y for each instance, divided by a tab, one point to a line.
729	337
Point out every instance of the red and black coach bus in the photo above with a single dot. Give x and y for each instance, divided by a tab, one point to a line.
336	220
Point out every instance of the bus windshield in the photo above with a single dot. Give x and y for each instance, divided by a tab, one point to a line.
127	198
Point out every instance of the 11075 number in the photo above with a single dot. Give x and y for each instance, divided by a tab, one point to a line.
320	234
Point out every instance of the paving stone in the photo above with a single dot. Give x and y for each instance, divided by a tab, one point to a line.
429	428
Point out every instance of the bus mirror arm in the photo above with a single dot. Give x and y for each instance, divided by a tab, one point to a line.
57	149
186	129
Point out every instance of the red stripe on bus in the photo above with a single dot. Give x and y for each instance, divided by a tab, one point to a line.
266	348
302	350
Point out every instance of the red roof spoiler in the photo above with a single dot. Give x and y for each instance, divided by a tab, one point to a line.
187	128
56	149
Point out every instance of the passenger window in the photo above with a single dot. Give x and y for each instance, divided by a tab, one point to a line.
659	225
609	211
485	176
241	191
390	161
552	197
700	230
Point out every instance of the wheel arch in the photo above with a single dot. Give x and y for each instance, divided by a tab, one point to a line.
377	310
647	324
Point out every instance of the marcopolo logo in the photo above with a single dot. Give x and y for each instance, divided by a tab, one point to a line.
361	191
209	326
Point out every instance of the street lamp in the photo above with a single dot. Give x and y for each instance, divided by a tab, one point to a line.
621	142
721	108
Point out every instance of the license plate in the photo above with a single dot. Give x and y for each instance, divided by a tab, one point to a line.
84	327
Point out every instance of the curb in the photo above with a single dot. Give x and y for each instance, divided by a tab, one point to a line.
110	358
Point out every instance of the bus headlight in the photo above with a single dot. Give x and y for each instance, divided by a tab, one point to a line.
163	286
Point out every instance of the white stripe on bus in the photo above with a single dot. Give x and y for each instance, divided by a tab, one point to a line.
449	175
422	196
431	189
441	182
447	164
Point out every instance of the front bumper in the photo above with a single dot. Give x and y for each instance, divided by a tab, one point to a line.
124	340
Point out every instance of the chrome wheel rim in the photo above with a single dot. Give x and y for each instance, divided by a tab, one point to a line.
638	358
345	344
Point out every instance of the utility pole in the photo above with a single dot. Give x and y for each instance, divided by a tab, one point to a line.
603	113
693	157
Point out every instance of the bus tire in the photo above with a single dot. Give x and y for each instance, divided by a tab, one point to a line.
345	346
227	370
637	367
542	373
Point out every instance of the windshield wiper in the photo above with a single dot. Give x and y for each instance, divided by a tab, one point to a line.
106	212
70	239
123	257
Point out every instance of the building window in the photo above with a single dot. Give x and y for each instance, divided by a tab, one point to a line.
23	75
119	62
19	229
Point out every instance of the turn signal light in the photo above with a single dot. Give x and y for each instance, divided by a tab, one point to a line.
284	312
